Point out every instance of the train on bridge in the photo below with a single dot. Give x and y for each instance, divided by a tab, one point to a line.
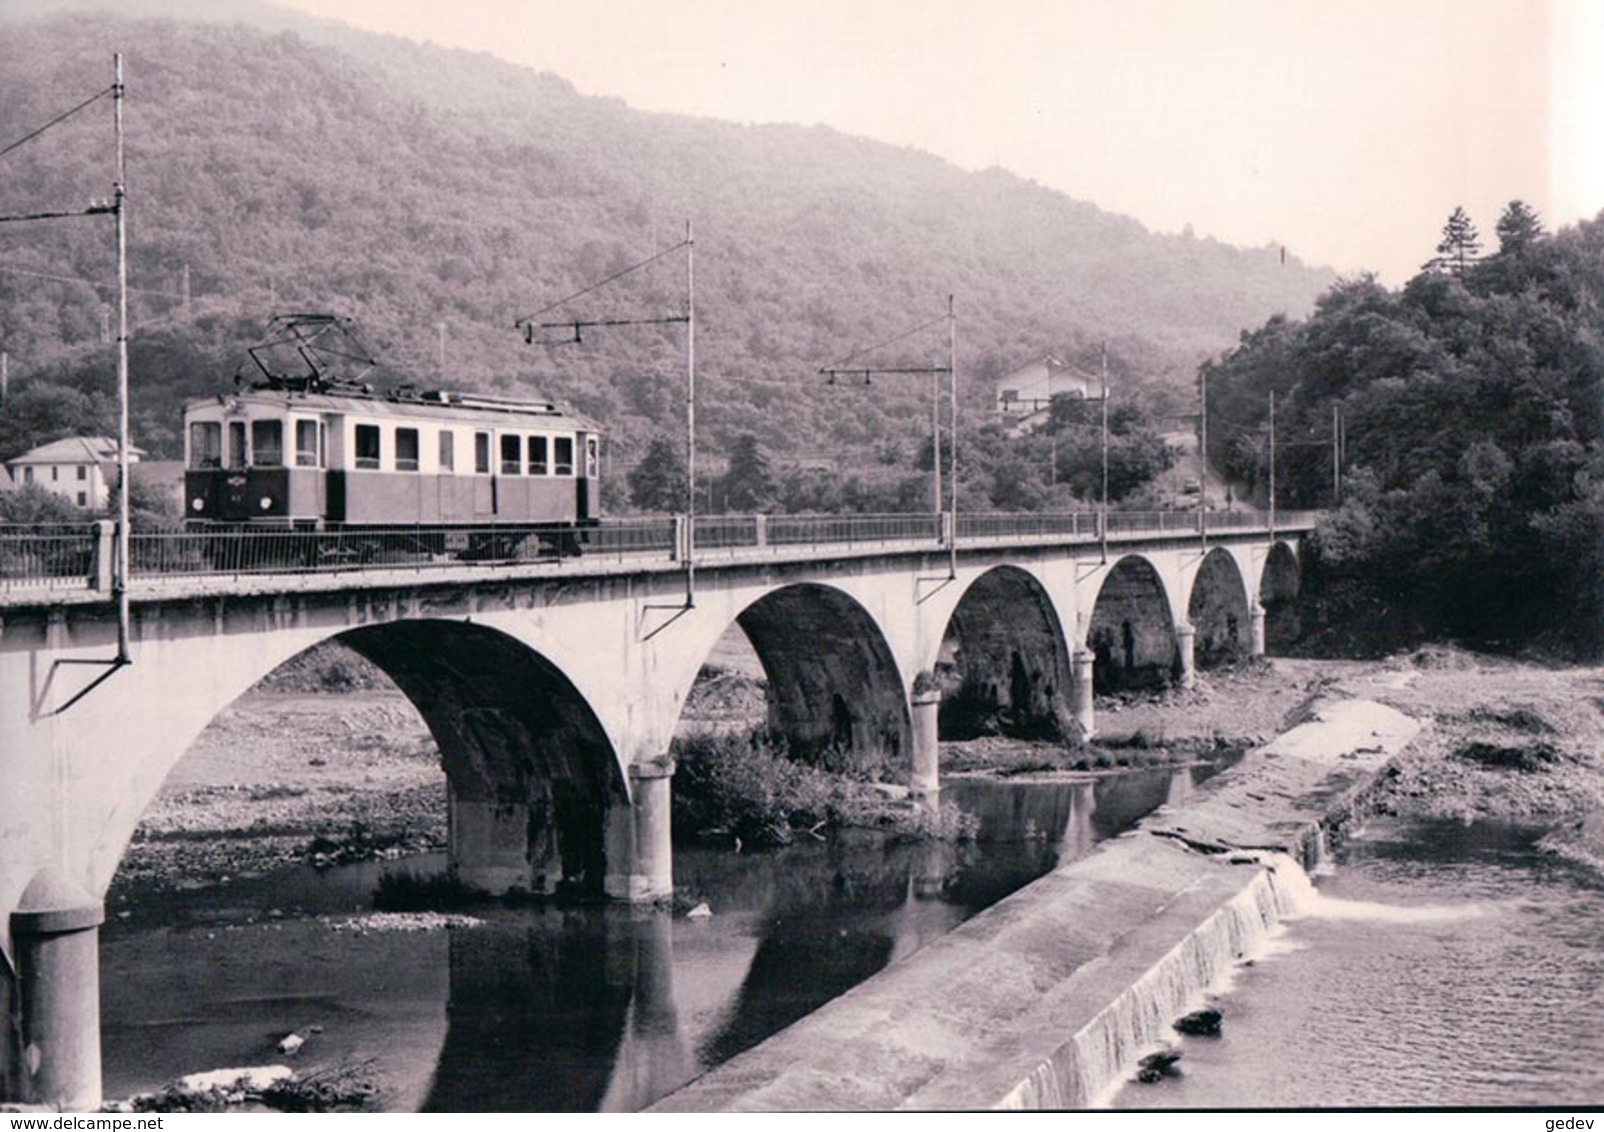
319	451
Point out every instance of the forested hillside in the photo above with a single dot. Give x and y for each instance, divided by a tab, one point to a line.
437	196
1470	405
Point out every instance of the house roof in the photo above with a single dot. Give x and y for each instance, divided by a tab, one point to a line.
74	450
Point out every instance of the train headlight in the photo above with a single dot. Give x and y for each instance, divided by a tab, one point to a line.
197	504
266	503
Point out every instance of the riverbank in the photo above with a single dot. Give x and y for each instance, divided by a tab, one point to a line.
295	772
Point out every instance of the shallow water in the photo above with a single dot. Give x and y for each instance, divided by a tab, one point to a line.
1438	964
544	1008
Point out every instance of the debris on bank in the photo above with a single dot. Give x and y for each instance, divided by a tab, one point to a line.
375	922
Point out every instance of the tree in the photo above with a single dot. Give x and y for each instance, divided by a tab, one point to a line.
1518	228
1460	245
749	482
658	482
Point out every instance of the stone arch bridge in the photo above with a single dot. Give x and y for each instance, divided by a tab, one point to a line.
554	690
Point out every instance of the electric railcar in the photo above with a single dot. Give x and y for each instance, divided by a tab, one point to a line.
313	459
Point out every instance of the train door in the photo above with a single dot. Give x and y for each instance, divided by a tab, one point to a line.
484	478
234	499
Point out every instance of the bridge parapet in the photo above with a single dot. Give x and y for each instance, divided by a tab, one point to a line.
73	562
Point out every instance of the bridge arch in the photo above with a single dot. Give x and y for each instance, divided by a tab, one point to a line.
1280	582
1004	660
531	772
833	680
1131	632
1219	610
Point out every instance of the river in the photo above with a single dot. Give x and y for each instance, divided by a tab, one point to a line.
1433	963
543	1008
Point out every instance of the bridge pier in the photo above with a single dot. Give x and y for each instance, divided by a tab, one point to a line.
1080	693
640	851
924	781
54	1040
1256	630
1185	647
489	846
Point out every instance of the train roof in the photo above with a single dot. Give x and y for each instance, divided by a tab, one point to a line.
437	404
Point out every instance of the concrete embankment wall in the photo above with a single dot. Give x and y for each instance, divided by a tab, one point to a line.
1048	998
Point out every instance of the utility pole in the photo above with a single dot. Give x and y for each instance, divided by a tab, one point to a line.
1272	463
690	417
1336	453
442	329
577	326
184	289
5	376
120	212
1102	523
952	448
1203	457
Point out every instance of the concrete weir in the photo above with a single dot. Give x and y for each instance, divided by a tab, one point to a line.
1047	999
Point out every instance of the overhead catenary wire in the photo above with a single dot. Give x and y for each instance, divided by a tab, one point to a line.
60	118
583	291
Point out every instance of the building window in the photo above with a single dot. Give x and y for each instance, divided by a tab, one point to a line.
83	473
27	475
406	449
562	455
448	450
511	455
55	473
306	444
267	444
481	453
83	499
537	456
367	446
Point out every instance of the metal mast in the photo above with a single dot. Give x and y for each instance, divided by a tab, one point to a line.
120	212
952	446
690	418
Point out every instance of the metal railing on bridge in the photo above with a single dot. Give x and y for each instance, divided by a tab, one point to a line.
79	556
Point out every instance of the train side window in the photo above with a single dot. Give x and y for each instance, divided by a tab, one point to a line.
206	444
448	450
267	443
306	444
537	456
367	446
591	451
562	455
236	444
406	449
481	453
511	455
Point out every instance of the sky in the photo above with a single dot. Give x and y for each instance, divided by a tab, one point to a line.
1346	131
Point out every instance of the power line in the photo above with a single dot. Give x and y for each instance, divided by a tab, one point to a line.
56	121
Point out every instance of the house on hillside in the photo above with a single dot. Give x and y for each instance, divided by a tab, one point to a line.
1024	395
79	468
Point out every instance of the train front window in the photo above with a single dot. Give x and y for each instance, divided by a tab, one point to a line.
406	449
591	454
562	455
205	444
306	444
537	456
367	446
511	456
236	444
267	443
